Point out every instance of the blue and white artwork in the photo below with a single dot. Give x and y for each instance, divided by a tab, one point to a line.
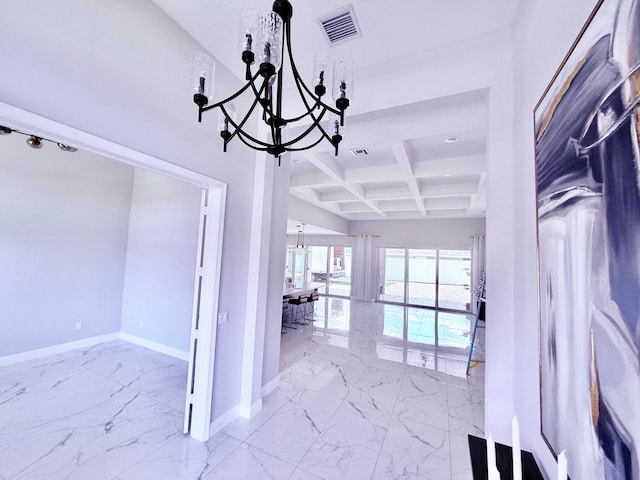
587	135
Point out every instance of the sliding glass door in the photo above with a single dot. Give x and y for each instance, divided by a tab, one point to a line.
327	268
426	277
454	280
392	274
421	286
317	272
339	279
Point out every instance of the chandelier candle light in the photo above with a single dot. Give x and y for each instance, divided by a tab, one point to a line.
300	246
265	38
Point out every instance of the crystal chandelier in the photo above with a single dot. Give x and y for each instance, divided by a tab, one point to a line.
266	38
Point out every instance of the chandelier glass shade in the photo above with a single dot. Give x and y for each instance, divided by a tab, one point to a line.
300	246
265	40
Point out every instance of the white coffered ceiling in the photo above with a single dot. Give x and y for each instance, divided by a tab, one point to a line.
422	72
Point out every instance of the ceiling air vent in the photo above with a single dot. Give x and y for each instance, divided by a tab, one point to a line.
356	152
340	25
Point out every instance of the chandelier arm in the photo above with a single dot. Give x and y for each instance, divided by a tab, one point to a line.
266	108
299	149
306	114
315	124
234	96
300	85
298	78
241	136
238	126
241	133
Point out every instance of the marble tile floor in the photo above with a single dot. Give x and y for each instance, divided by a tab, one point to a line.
353	403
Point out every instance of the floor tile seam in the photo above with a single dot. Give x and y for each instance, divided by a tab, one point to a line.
318	437
129	385
253	430
422	377
386	431
90	370
250	445
320	431
165	403
447	408
430	425
153	400
162	444
233	450
451	461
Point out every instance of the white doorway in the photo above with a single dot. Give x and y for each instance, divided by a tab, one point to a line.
202	344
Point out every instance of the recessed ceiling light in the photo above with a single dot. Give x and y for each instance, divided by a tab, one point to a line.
451	139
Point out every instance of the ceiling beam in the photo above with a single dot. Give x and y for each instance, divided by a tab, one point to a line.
467	165
387	173
447	203
310	180
341	196
327	165
388	193
402	157
310	195
448	190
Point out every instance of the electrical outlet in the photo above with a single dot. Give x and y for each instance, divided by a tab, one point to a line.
78	325
223	317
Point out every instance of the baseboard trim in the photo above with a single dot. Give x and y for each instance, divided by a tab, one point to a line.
249	411
155	346
55	349
270	386
224	420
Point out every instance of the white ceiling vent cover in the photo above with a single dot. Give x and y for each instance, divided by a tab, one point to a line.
340	25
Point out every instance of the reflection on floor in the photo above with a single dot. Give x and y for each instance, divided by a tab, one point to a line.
88	414
367	391
379	392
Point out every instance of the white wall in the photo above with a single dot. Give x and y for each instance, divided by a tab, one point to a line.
120	70
544	32
304	212
501	251
277	260
441	233
63	238
161	259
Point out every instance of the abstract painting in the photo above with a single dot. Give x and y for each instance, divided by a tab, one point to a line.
587	135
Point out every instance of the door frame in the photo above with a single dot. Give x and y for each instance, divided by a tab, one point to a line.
214	189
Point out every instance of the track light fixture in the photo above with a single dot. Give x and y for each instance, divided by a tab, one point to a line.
66	148
266	39
34	141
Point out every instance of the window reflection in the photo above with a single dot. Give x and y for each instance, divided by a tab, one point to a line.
421	326
333	321
423	337
393	321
